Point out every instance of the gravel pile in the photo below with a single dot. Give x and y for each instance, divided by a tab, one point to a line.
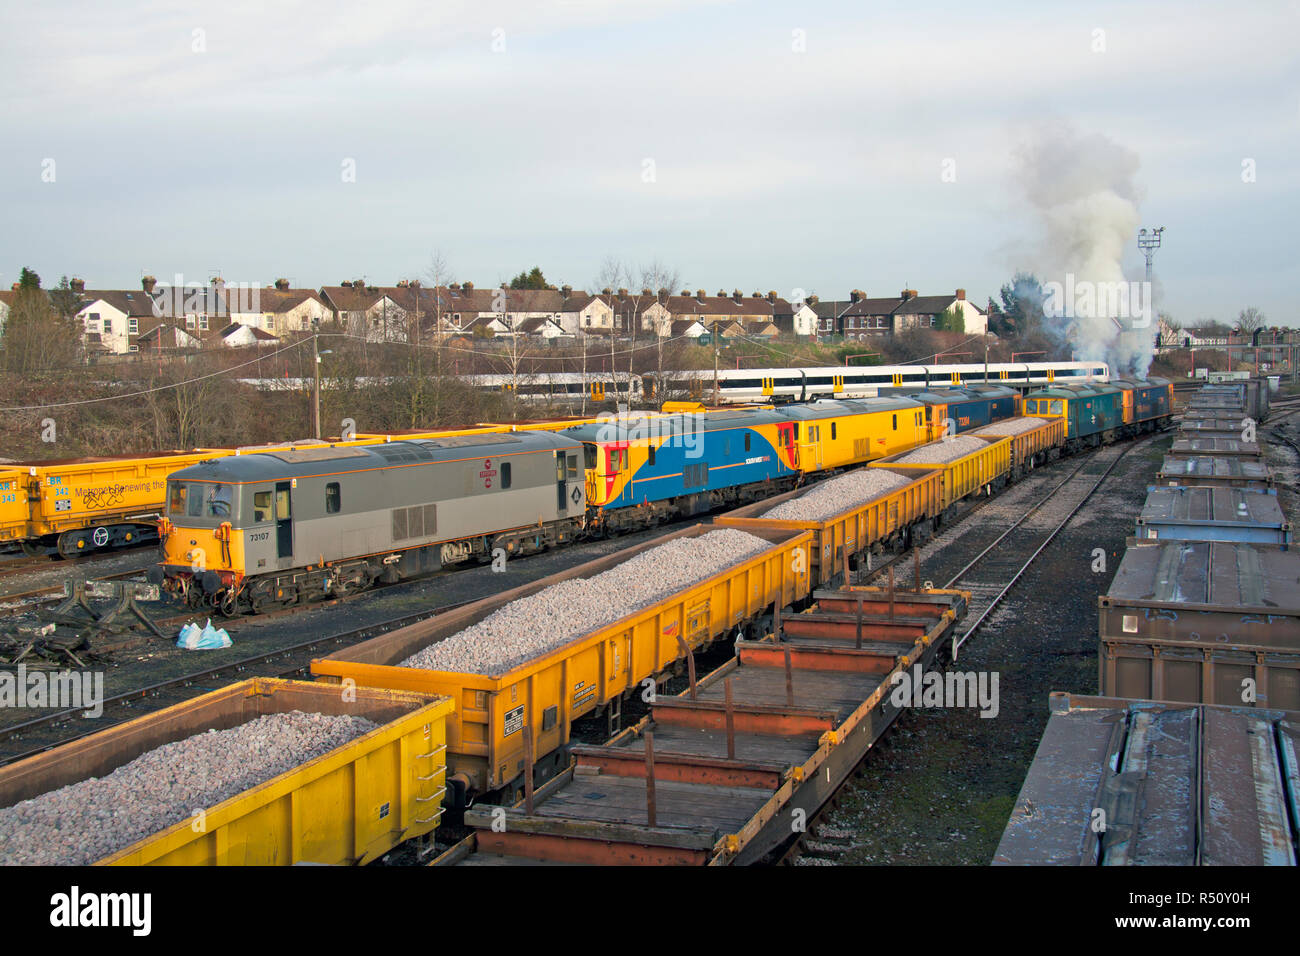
949	449
830	498
1011	426
86	821
526	628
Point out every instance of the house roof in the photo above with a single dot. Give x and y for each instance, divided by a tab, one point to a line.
348	299
874	307
275	301
529	326
925	305
429	300
167	332
260	334
830	310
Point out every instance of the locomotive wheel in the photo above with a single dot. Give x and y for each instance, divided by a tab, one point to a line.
31	548
268	596
193	599
353	582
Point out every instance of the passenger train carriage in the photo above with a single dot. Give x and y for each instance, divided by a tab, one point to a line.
840	382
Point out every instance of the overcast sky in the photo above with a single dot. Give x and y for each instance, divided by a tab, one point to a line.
751	145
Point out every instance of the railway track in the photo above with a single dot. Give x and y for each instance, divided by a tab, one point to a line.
23	565
47	731
990	575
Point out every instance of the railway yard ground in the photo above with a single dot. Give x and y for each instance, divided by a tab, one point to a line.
936	789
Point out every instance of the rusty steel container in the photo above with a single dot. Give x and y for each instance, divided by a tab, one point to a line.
1203	622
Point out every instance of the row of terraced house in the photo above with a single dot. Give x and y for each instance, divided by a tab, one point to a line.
162	317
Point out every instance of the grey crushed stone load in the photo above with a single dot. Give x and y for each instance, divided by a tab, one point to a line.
524	629
86	821
830	498
1011	426
949	449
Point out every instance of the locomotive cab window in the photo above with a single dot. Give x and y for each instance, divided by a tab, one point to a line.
333	498
220	497
746	441
895	423
650	455
589	457
261	506
178	498
505	474
832	431
573	466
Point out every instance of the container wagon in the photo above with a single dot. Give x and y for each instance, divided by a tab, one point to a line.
1174	784
1215	472
1189	445
349	806
1203	622
1196	513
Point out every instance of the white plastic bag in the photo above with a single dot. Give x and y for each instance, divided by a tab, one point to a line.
207	638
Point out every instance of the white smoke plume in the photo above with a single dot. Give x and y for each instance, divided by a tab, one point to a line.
1083	191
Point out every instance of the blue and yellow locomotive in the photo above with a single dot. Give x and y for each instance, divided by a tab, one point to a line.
1098	414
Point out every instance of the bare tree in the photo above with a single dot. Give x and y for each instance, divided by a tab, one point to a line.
1250	320
515	348
439	275
662	280
609	277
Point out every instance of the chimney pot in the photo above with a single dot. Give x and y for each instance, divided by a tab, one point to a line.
961	295
282	284
147	283
468	287
78	285
699	294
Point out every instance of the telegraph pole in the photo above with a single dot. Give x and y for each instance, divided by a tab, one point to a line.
315	367
715	364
